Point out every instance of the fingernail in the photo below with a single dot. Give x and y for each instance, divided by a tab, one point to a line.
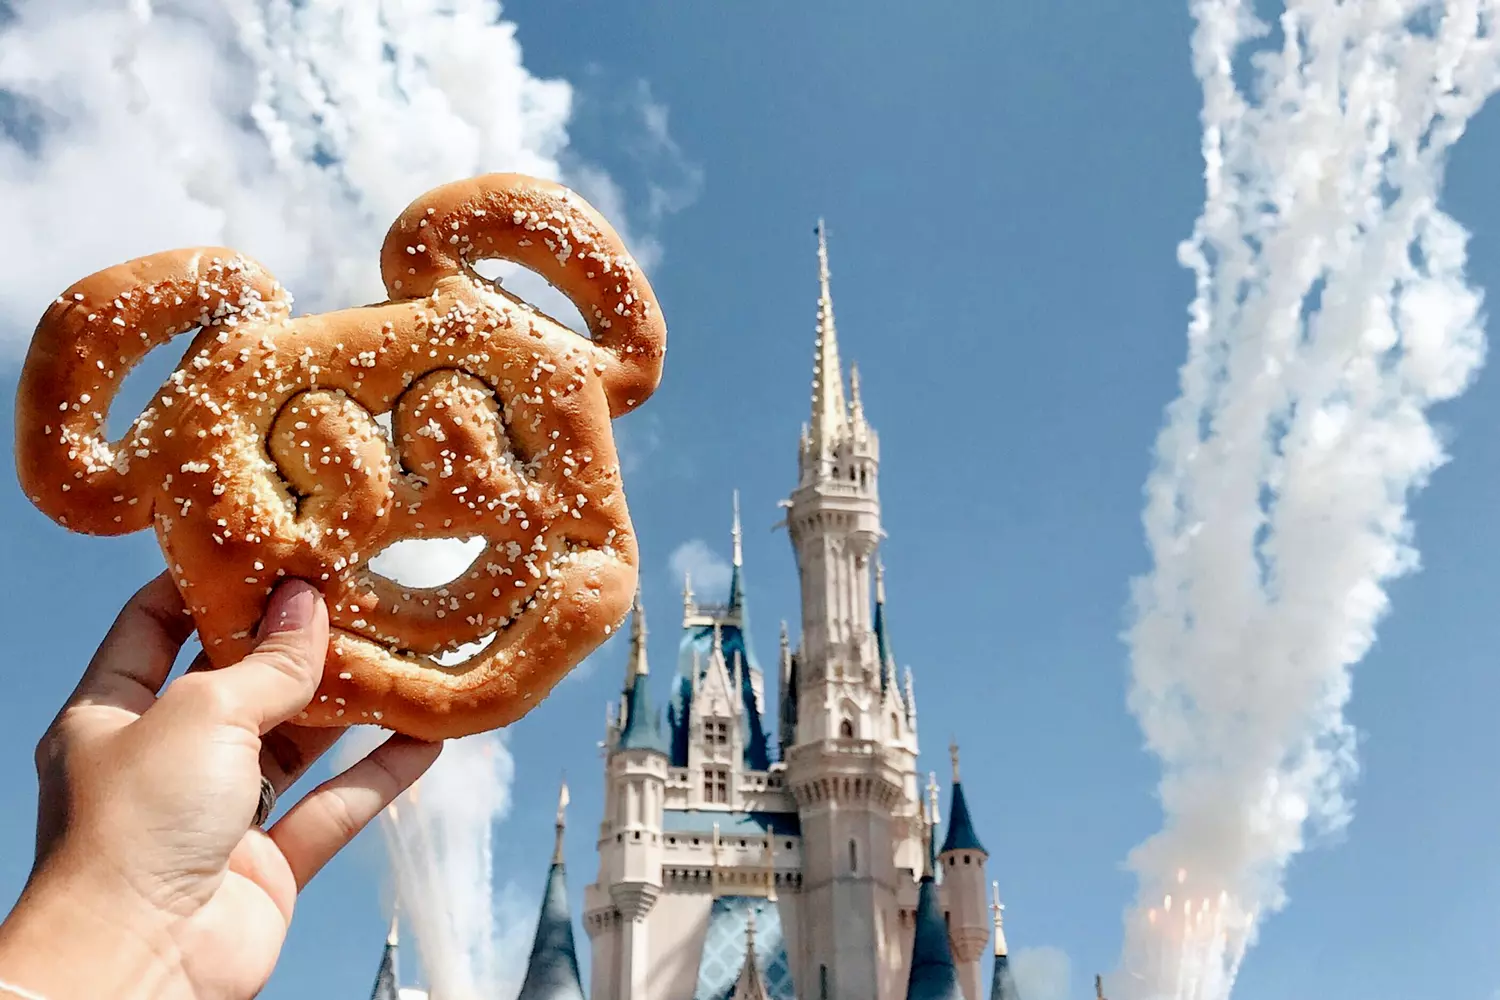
291	608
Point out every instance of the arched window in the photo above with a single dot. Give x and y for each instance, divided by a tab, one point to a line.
895	725
846	729
853	858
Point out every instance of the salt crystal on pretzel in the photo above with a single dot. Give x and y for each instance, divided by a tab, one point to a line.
260	458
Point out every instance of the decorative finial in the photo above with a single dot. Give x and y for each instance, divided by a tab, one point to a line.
998	909
786	639
1098	988
562	822
638	666
953	755
932	796
879	582
856	405
750	936
392	936
822	232
830	415
687	594
739	555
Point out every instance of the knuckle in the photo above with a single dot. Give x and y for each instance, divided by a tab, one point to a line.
342	821
206	693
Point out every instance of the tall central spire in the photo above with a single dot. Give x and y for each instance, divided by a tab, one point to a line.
829	411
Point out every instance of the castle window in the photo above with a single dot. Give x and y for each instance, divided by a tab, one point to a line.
715	784
846	729
853	858
717	732
895	725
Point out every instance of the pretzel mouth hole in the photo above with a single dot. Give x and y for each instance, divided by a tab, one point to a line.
456	657
427	563
529	290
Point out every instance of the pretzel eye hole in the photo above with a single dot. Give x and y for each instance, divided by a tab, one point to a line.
143	381
530	288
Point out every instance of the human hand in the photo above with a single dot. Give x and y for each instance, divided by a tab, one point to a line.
149	879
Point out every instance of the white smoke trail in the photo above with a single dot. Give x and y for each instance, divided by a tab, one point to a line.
440	841
1331	313
295	131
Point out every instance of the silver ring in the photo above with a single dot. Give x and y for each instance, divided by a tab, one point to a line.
267	802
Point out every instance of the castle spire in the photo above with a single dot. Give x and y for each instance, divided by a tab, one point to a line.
882	639
562	822
1003	980
931	974
387	981
961	835
829	413
932	820
552	972
856	405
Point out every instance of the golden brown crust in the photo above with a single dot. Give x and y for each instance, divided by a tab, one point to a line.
260	458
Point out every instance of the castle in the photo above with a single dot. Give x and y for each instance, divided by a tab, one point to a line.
757	858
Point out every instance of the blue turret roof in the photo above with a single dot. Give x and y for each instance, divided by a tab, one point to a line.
961	835
933	975
642	728
1003	982
552	973
385	977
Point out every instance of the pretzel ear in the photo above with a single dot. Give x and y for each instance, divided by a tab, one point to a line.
86	342
550	230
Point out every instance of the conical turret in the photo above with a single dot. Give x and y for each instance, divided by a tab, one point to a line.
552	972
387	981
963	861
932	975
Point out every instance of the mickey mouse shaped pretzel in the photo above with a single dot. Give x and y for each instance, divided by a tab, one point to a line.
261	458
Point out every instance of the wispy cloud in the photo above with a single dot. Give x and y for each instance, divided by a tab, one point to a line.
709	570
1043	973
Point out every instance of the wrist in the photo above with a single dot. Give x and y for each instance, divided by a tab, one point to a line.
63	942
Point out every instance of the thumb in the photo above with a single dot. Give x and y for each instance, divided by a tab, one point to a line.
277	681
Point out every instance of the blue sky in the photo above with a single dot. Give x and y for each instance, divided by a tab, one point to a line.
1005	186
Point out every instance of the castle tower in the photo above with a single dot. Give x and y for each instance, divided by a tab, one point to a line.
963	859
552	972
1002	980
630	838
850	782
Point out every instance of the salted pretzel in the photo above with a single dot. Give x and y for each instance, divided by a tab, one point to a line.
261	456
